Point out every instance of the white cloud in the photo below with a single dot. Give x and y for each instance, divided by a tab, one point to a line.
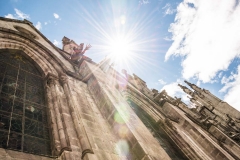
21	15
220	75
56	15
47	22
10	16
233	87
168	10
38	25
174	90
207	35
18	15
228	82
161	81
56	43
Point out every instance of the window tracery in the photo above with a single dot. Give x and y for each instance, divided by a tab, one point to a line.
23	119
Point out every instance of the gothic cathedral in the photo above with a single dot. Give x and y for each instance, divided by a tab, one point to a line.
59	104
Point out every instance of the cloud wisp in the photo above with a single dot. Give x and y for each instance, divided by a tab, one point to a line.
10	16
162	82
56	16
168	10
207	35
56	43
38	25
141	2
18	15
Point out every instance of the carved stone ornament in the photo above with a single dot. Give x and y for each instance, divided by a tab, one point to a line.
206	91
51	79
200	95
63	79
26	32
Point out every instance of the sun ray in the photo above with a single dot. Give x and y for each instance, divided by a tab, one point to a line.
123	41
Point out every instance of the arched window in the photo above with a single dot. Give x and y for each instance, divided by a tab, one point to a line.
23	119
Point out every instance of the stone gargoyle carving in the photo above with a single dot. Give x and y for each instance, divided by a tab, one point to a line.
79	52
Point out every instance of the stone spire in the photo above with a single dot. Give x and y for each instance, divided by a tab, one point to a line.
185	89
193	86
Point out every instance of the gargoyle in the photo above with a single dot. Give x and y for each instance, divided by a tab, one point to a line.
78	52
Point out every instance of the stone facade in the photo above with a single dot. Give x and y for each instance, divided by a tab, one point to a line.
96	113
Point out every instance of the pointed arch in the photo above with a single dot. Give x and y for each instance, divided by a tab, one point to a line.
23	115
34	53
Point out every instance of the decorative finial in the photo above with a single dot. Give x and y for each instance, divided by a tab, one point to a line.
181	86
190	84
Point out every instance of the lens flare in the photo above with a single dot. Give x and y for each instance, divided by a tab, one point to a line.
123	114
122	36
122	147
118	118
123	131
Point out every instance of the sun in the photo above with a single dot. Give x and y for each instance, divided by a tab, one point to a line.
120	48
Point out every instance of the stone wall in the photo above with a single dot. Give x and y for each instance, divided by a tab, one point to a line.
88	114
132	139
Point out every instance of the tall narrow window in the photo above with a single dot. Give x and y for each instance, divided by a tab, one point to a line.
158	133
23	120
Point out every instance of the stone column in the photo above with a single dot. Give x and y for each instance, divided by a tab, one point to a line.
63	118
82	136
53	124
58	128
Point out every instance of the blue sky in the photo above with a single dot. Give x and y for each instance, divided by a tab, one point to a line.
165	41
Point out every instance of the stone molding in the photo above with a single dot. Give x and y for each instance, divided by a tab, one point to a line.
58	120
21	41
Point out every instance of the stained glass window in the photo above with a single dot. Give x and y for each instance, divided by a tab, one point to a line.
23	121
